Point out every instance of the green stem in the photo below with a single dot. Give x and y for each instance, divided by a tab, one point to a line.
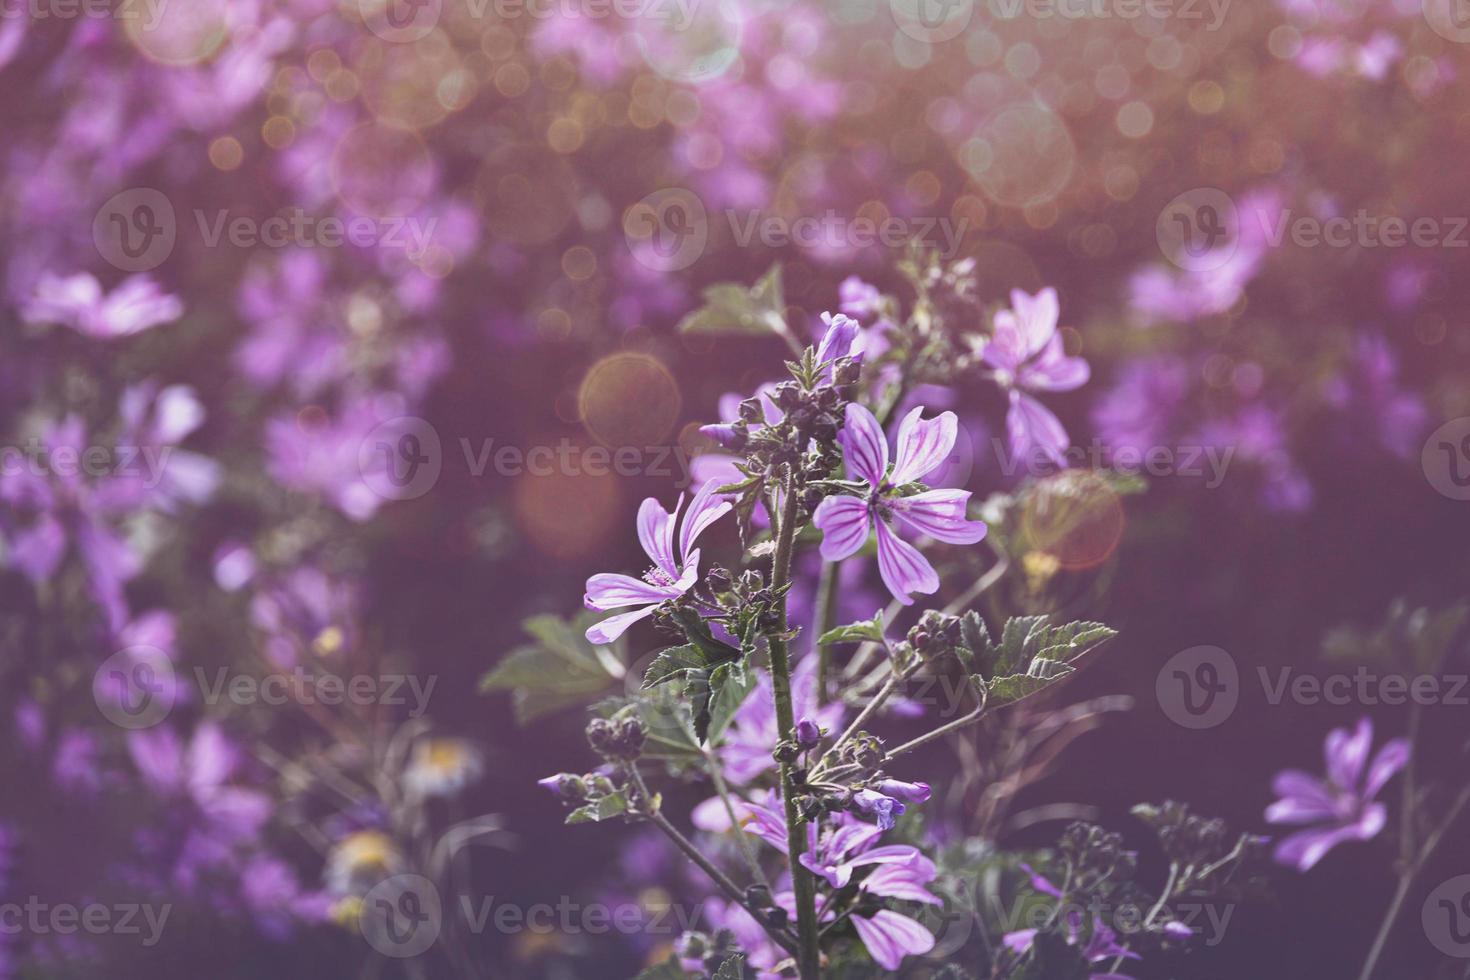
742	839
808	954
826	611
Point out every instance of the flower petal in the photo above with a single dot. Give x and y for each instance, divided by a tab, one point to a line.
656	533
1347	754
939	514
704	510
903	569
1390	759
865	445
615	626
1036	318
1304	799
922	446
1054	370
610	590
901	882
1031	424
889	937
844	523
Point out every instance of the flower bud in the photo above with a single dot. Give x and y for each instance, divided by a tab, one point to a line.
808	734
567	787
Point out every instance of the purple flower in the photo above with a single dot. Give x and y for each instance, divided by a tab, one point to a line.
1027	355
837	341
1343	806
673	572
900	790
858	298
752	734
922	447
889	937
808	733
212	818
78	302
1102	944
881	808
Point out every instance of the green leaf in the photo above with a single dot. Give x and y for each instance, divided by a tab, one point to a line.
1030	655
715	691
582	814
1012	688
732	969
673	663
561	669
731	308
612	805
730	691
867	631
1065	642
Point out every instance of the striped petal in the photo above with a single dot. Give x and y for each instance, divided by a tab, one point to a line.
922	445
903	569
940	514
865	445
844	524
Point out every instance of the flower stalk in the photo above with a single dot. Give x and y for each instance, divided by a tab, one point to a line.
808	954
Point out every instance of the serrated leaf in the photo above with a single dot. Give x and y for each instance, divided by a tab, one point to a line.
1065	642
730	692
561	669
866	631
732	308
673	663
1012	688
731	969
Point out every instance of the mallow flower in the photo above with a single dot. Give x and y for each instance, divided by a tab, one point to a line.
79	302
845	520
672	574
1027	355
1342	807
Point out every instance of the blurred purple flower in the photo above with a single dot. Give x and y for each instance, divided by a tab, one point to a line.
78	302
673	572
1369	391
1027	355
212	819
845	521
858	298
1342	807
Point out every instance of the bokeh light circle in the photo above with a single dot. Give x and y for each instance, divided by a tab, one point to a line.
695	48
629	399
1075	516
181	34
525	197
1021	157
382	171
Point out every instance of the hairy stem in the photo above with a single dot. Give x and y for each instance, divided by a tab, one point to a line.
808	954
731	890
